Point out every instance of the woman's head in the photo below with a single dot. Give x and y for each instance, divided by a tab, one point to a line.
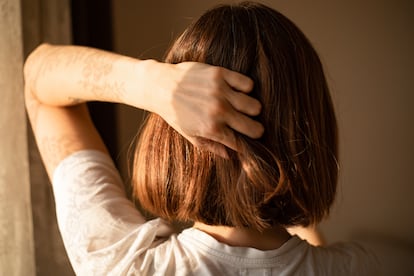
287	177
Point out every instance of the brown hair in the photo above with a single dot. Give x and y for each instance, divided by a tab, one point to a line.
288	176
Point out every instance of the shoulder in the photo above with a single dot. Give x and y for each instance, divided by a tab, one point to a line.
81	162
102	230
86	171
346	259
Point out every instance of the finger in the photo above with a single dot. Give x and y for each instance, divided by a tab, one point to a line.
245	125
237	81
211	146
244	103
226	137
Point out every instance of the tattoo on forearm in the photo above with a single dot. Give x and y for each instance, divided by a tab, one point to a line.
97	68
95	71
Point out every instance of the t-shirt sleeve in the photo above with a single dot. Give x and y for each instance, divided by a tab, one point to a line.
363	260
103	232
350	259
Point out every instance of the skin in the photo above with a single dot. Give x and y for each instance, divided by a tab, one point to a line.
202	102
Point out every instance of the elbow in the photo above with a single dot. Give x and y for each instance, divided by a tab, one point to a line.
30	70
31	67
32	61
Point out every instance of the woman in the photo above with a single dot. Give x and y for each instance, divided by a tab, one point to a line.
244	158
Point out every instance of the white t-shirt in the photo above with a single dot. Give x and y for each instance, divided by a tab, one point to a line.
105	235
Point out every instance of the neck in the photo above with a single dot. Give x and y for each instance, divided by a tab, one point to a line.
269	239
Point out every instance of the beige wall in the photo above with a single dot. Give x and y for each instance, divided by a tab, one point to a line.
366	47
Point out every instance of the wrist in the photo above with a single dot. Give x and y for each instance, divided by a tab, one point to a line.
153	77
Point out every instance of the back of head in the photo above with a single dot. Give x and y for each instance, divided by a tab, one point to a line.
287	177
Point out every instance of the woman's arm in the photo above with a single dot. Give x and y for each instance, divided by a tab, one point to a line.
198	100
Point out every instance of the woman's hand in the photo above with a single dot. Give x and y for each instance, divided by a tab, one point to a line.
206	104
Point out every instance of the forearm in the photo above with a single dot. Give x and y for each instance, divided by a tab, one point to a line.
68	75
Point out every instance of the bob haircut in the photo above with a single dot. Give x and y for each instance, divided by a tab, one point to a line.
287	177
